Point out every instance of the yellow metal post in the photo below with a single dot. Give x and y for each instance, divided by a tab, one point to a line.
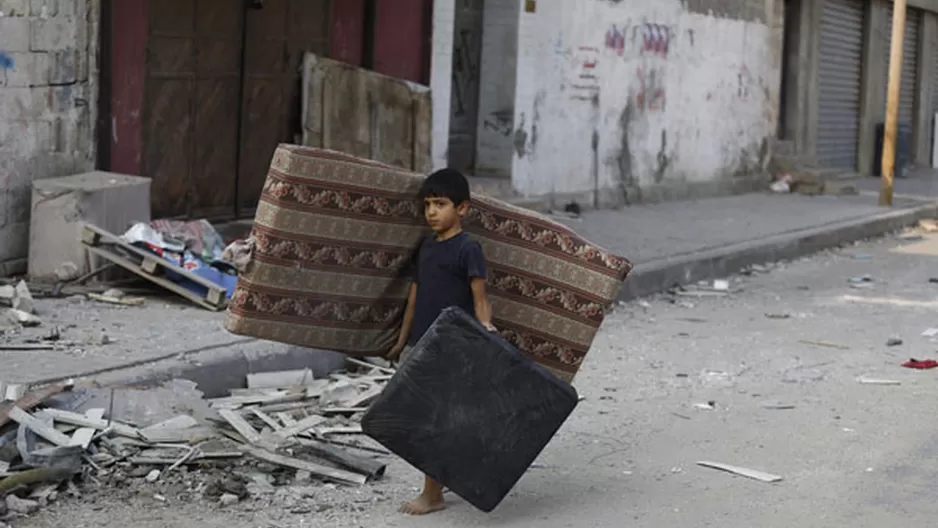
892	103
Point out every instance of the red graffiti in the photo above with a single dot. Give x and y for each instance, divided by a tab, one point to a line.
656	39
651	95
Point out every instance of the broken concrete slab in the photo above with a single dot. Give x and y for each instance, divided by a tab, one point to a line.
23	299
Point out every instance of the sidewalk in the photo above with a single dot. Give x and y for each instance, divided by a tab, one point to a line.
679	242
684	242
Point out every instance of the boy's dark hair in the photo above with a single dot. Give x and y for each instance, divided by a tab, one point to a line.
446	183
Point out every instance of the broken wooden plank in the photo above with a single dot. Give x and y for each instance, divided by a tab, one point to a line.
239	424
285	419
292	406
875	381
236	402
121	301
101	425
279	379
143	460
343	410
182	421
364	398
43	430
82	437
741	471
301	426
189	435
371	468
366	364
340	430
33	399
336	475
264	417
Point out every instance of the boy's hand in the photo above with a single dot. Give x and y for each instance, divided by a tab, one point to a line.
395	352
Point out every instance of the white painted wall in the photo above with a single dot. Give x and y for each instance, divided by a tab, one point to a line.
441	72
678	100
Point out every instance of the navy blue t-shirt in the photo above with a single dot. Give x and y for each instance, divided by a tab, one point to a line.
443	271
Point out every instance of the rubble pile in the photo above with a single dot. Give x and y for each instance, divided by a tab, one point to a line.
283	427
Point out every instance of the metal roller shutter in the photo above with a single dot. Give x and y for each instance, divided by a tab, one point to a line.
909	63
840	69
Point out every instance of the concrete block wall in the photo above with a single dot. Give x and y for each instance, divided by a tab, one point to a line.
497	73
48	104
644	101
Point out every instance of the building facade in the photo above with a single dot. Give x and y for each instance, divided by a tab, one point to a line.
603	102
610	102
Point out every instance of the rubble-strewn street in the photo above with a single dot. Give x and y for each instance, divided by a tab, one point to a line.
792	370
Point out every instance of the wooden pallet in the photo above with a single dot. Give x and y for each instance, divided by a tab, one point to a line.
151	267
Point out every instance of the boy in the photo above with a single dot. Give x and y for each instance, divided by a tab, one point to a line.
450	271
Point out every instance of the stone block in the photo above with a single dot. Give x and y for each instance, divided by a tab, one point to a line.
14	34
52	34
61	206
63	66
24	69
24	139
25	103
14	8
68	97
44	8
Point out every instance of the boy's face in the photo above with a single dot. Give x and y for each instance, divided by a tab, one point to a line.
442	214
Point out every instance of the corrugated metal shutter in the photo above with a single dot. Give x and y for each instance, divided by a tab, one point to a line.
840	69
909	63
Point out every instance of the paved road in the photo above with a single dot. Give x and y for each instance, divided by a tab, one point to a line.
851	454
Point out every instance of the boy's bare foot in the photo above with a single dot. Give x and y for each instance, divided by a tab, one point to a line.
423	505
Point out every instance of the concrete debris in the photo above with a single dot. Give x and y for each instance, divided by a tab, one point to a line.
23	299
874	381
228	499
893	342
254	439
21	506
741	471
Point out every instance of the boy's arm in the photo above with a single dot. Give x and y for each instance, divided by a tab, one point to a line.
406	325
481	301
477	272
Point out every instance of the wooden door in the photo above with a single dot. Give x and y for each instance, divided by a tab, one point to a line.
277	34
190	122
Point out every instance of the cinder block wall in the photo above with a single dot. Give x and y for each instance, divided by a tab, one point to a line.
48	106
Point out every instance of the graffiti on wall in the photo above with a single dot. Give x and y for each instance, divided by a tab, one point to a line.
6	62
738	87
499	122
650	95
586	81
645	38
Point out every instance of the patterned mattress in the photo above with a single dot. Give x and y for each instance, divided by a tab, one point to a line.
333	238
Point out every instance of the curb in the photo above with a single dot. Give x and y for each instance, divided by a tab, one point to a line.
658	275
216	368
